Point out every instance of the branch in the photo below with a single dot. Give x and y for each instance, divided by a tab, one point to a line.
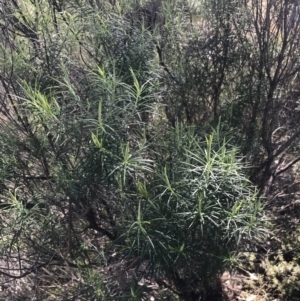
287	166
32	269
287	144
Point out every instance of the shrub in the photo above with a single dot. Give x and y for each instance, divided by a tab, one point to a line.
193	210
100	193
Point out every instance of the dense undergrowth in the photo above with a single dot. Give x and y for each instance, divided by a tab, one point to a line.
148	148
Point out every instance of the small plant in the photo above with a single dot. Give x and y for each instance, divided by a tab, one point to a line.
197	208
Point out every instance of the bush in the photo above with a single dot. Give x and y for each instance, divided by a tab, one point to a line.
101	194
193	211
173	205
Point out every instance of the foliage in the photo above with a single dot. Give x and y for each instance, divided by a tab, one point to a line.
126	128
196	209
155	196
239	60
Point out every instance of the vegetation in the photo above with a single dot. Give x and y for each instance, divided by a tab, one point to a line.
148	148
